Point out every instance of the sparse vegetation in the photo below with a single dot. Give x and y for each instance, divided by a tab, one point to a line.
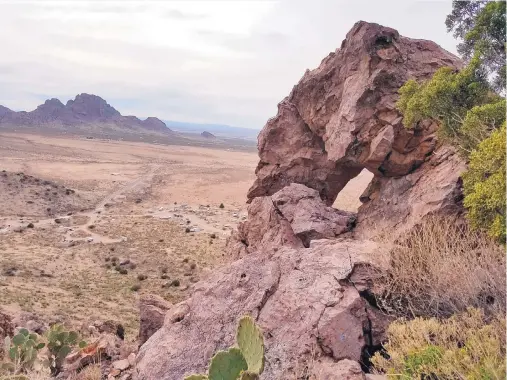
142	277
443	267
465	346
135	287
221	205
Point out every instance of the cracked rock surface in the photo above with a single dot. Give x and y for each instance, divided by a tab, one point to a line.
303	300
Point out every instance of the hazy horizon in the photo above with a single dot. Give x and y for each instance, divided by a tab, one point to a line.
201	62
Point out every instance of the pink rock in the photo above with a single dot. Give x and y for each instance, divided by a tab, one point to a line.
301	298
341	117
152	311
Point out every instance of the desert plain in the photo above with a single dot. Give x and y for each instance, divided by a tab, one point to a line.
89	225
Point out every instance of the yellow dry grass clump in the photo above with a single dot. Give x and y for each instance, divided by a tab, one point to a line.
441	268
460	347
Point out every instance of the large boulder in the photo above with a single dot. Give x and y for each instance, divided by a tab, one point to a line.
152	311
291	217
303	299
342	117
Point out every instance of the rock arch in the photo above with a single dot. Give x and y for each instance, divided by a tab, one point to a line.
340	119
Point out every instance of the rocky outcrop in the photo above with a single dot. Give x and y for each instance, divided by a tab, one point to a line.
301	275
152	310
303	299
399	203
291	217
341	118
84	109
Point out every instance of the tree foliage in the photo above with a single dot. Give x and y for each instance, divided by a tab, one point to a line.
447	98
480	25
484	185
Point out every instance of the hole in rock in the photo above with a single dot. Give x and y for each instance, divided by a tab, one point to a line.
348	198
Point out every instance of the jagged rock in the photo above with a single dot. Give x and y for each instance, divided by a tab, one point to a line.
397	204
302	299
308	216
291	217
6	328
152	311
341	118
268	230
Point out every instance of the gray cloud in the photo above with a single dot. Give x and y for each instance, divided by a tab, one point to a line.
229	65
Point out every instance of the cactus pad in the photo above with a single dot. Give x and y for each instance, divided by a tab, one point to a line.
251	343
227	365
196	377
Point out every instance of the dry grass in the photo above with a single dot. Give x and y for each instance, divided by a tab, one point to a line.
443	267
91	372
461	347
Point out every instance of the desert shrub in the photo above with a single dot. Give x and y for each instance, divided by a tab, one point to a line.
484	185
245	361
480	122
175	283
135	287
442	267
142	277
221	205
122	270
446	98
461	347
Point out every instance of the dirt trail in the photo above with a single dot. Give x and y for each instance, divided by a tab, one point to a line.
78	232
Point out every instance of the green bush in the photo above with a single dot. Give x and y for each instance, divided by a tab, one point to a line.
484	185
461	347
446	98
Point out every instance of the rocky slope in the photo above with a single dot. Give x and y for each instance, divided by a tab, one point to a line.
84	110
305	269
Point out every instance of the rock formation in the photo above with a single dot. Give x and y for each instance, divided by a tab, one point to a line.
83	110
152	310
208	135
303	276
341	118
305	300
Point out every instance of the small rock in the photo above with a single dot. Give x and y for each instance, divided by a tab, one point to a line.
121	365
132	359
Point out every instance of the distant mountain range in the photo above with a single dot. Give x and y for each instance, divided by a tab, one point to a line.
218	130
84	110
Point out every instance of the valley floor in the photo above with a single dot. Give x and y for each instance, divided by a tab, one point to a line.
103	208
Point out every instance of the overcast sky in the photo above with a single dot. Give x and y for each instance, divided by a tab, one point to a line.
226	62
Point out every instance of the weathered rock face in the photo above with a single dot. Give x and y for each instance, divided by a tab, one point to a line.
291	217
397	204
341	117
152	310
303	299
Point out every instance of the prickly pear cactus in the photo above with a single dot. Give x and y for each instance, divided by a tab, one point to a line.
22	351
60	344
251	343
227	365
243	363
